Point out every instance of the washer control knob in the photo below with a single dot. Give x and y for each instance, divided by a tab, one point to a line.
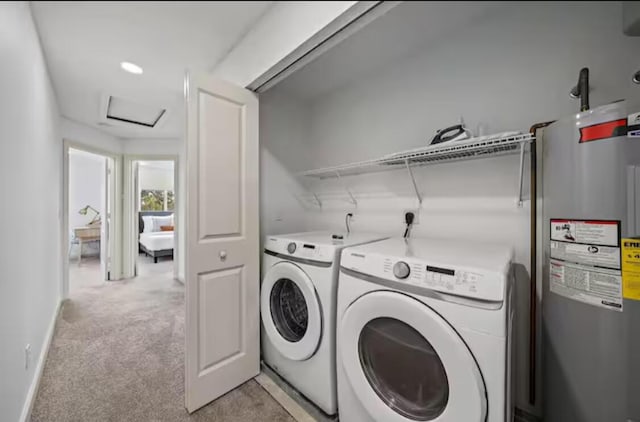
291	247
401	270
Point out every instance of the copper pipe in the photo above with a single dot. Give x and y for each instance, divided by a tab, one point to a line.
533	264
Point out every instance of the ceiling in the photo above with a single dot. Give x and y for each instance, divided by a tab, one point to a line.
407	28
84	43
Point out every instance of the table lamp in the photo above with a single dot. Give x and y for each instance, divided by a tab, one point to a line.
96	218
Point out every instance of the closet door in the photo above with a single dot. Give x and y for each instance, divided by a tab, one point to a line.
222	246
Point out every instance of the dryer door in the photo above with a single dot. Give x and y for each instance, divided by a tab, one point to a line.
406	363
290	311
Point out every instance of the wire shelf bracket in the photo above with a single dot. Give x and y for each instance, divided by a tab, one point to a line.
413	181
352	199
318	201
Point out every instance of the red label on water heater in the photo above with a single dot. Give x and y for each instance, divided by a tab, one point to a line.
603	130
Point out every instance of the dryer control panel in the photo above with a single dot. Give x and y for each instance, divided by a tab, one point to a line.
456	280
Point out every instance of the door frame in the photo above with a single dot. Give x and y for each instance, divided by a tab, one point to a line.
115	229
130	222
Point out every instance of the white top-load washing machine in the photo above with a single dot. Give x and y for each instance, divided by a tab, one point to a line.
298	309
423	332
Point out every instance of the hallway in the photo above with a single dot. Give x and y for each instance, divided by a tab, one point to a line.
118	355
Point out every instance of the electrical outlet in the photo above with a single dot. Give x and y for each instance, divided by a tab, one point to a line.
27	356
416	215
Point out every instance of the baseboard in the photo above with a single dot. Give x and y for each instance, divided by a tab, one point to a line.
522	415
42	359
291	399
289	404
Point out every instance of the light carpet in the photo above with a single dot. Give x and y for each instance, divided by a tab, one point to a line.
118	355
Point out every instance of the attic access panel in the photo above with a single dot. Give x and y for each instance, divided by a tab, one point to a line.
134	113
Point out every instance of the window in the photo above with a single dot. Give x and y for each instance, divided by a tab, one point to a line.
157	200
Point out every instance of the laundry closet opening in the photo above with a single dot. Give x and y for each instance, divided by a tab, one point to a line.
389	87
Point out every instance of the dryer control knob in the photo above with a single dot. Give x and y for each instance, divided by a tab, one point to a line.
401	270
291	247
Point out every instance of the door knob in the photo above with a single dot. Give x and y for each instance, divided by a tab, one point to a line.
222	255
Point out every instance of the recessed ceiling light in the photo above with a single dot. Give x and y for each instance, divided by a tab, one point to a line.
131	68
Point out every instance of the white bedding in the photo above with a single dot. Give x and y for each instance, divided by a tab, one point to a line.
157	241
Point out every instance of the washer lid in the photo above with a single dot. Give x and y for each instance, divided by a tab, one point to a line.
290	311
406	363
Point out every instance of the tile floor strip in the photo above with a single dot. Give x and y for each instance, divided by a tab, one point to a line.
294	409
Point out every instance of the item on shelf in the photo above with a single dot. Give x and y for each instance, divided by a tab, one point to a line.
450	134
438	147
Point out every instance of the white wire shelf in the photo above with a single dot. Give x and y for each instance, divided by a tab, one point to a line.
483	147
456	151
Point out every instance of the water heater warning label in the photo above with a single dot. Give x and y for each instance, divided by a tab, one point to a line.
596	232
631	268
585	261
633	125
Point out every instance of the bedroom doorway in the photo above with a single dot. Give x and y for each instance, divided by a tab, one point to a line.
155	200
89	194
151	208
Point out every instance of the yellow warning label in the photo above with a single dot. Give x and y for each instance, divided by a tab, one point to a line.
631	268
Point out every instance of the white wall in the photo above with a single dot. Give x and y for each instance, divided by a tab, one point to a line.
31	210
86	187
152	146
506	72
284	124
86	135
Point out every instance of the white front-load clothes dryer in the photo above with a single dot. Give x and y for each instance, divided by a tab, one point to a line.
298	309
423	332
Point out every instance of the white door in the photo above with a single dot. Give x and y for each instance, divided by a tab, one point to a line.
222	253
406	363
291	312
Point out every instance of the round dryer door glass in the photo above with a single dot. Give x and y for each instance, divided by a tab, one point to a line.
403	369
289	310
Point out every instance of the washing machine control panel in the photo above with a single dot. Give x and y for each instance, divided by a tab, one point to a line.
460	281
401	270
450	280
303	250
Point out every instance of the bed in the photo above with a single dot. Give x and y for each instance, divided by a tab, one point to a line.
153	242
